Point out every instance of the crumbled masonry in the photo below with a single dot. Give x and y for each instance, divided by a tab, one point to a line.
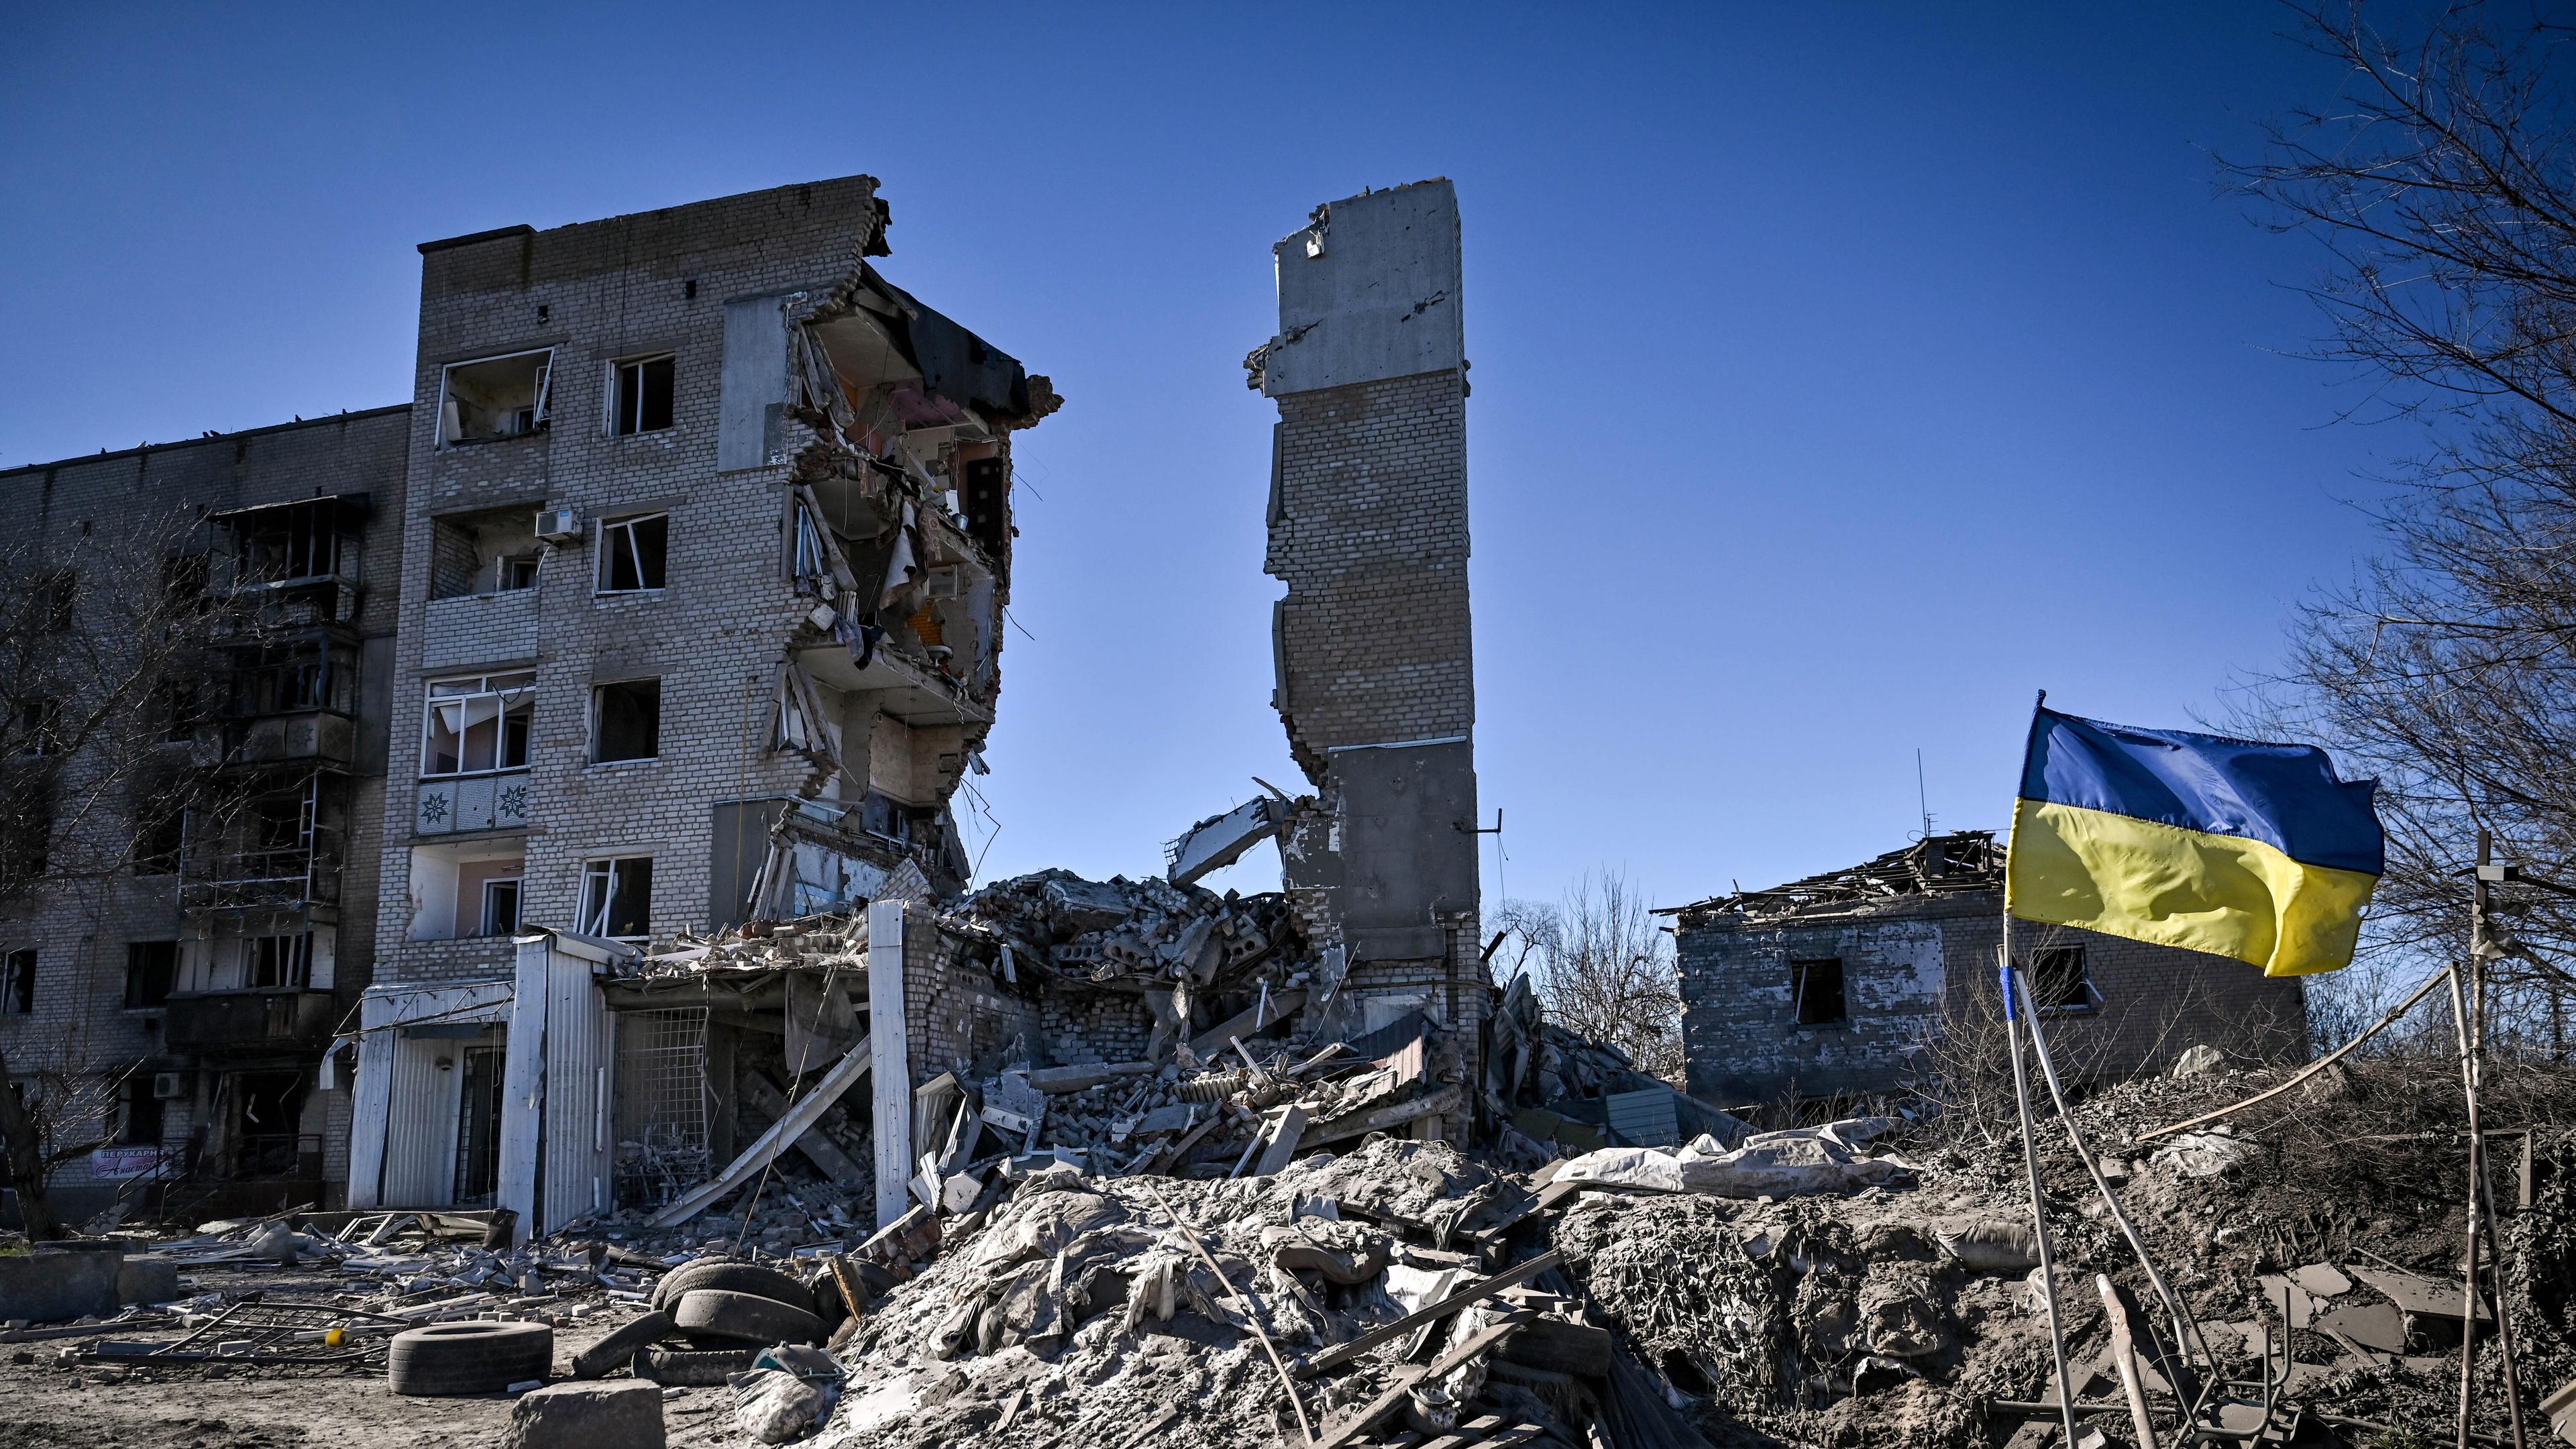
1880	1292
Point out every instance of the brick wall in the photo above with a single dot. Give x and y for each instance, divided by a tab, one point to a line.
954	1011
1912	965
1369	533
80	927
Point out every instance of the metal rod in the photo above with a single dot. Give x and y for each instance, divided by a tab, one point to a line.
2468	1089
2187	1335
2311	1069
2038	1207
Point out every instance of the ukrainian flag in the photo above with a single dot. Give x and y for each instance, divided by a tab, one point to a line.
2255	851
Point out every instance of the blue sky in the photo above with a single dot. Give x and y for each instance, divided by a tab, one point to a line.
1840	378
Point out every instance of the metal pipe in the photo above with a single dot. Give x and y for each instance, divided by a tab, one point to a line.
2038	1207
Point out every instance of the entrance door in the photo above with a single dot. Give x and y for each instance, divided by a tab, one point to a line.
478	1127
267	1108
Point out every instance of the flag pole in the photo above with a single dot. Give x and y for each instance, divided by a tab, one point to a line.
2038	1211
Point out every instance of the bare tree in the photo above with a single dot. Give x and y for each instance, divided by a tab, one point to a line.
2442	189
1604	969
110	642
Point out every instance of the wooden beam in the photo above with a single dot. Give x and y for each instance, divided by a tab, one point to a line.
1475	1292
1245	1022
808	1110
764	1098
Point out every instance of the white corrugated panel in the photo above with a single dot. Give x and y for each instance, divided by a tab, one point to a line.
579	1063
402	1147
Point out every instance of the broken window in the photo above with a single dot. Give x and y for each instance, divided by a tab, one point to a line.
478	725
626	720
617	897
185	579
160	831
1816	991
495	398
632	552
277	963
56	592
641	396
151	972
37	728
488	552
138	1112
2058	981
27	803
180	706
293	543
804	723
501	906
18	983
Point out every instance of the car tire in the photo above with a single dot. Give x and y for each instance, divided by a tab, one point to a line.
617	1349
692	1368
462	1360
731	1277
746	1317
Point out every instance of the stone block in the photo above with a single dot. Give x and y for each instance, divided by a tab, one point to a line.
50	1285
147	1280
622	1415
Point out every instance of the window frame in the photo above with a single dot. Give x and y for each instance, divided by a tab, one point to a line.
18	982
2087	998
618	368
594	920
1799	975
138	996
624	525
518	895
538	424
295	971
598	693
509	700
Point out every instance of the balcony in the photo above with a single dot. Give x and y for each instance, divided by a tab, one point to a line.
316	737
470	629
249	1019
472	802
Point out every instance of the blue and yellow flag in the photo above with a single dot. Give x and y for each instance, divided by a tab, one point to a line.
2255	851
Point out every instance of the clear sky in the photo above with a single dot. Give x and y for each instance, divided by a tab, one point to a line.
1840	378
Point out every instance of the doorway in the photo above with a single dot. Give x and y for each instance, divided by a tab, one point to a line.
478	1126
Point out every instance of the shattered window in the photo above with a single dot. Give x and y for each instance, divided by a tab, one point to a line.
626	720
151	972
18	983
2058	981
500	907
495	398
643	395
279	962
478	725
632	553
291	543
1816	991
617	897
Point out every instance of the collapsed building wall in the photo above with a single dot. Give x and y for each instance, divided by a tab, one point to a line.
1373	639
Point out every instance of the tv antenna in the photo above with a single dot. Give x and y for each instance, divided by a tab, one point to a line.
1922	798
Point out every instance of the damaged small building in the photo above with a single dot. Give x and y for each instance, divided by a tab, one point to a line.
1843	982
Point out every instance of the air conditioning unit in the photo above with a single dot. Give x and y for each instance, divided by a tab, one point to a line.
167	1086
558	525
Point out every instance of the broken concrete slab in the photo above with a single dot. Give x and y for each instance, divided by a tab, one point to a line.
625	1415
50	1285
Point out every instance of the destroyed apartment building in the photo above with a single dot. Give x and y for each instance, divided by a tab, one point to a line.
683	578
1842	982
672	1032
